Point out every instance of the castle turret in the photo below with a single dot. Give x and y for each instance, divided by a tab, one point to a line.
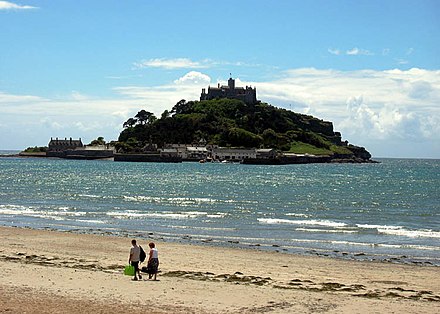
231	84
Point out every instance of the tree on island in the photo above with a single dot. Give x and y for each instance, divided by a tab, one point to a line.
165	114
181	107
129	123
36	149
145	117
97	142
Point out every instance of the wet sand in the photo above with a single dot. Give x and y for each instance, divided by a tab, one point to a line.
63	272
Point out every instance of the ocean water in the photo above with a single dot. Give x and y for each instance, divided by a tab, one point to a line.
388	211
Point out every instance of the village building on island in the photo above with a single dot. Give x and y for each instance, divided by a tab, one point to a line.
58	147
233	154
191	152
75	149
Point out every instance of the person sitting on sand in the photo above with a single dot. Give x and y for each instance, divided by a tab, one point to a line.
133	259
153	261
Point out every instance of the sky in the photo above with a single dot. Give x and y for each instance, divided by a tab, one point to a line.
81	68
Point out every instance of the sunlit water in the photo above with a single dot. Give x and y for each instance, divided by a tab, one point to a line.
388	211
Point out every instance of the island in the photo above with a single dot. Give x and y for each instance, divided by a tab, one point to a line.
227	124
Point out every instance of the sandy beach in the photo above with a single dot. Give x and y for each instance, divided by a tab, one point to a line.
62	272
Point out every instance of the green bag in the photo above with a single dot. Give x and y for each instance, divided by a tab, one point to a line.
129	270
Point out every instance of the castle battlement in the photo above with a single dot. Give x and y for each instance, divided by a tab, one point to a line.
247	95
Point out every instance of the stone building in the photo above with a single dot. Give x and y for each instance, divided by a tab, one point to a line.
247	95
75	149
57	145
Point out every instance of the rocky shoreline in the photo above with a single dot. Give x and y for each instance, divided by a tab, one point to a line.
283	160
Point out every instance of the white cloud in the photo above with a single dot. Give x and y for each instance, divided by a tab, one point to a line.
357	52
159	98
352	52
420	90
401	61
185	63
193	78
75	95
336	52
366	106
35	119
49	123
170	64
388	121
87	127
6	5
9	98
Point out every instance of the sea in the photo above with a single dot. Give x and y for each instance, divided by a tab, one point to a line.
384	212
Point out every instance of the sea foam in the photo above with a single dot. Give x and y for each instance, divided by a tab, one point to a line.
169	215
326	223
401	231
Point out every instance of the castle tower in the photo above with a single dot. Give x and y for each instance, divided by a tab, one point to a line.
231	84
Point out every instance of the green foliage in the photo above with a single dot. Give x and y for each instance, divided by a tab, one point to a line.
306	148
237	137
230	122
98	141
123	147
132	145
143	117
269	136
340	150
129	123
181	107
165	114
36	149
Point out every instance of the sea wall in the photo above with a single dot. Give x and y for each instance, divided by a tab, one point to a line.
81	154
145	158
287	160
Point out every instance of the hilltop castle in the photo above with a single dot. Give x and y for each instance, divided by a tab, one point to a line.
247	95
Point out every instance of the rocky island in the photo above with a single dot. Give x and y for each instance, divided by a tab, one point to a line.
227	124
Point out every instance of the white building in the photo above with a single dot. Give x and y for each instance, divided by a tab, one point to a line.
169	152
224	153
266	153
196	152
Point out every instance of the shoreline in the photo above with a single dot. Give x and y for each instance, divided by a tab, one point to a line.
306	159
202	279
188	239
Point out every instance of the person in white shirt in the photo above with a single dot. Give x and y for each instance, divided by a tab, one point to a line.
153	261
133	259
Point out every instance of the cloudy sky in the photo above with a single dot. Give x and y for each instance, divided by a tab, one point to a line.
81	68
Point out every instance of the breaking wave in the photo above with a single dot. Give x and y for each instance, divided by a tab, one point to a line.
326	223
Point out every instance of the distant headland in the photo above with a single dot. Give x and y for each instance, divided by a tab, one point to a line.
227	124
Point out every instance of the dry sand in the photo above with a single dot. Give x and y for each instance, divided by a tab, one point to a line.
62	272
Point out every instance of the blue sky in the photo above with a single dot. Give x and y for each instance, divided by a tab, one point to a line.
81	68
